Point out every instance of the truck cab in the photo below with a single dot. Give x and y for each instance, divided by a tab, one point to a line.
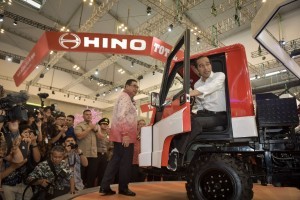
227	153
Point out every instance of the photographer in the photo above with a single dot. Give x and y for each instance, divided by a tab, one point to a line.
49	175
11	113
58	136
75	159
13	184
35	123
10	132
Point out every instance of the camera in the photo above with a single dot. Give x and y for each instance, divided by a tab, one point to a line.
73	146
43	95
24	149
10	103
63	173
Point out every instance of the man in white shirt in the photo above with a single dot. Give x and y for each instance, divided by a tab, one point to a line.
210	99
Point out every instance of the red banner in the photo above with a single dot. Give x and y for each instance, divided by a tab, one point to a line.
34	58
93	42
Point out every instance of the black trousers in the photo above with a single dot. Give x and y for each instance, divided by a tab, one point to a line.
102	163
200	121
121	162
88	173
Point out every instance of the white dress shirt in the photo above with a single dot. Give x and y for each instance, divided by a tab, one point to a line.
213	93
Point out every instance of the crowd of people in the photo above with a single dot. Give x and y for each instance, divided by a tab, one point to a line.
47	156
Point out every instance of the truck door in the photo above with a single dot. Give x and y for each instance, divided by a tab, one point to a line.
173	110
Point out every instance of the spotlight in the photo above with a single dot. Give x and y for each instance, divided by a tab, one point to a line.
198	40
42	75
97	95
53	92
15	23
148	10
96	72
68	95
170	28
132	63
1	17
153	72
9	59
295	53
40	89
282	42
79	98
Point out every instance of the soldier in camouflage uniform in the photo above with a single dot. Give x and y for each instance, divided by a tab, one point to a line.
43	176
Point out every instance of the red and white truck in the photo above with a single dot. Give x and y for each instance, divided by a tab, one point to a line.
223	162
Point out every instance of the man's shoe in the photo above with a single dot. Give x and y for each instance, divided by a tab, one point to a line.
127	192
106	191
172	163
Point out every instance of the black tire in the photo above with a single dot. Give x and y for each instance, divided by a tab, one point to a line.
218	176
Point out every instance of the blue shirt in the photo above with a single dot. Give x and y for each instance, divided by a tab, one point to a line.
70	132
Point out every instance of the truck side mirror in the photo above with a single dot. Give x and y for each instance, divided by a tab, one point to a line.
154	99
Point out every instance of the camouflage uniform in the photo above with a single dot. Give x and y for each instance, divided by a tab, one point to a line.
43	171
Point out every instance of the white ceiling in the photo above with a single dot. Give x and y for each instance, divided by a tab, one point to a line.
74	14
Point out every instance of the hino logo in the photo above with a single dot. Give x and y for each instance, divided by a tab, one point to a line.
69	40
114	43
72	41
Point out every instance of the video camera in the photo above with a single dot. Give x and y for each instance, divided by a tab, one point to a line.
73	146
11	104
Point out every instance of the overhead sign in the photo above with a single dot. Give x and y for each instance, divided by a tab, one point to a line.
94	43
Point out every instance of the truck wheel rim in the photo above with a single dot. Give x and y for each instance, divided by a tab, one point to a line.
216	184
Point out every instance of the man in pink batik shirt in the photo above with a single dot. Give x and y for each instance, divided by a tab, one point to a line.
123	134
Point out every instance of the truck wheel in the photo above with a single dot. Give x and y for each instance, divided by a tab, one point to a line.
218	177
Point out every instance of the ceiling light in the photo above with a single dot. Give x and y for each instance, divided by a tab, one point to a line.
15	23
96	72
282	42
42	75
198	40
170	28
33	3
1	17
274	73
2	30
53	92
8	58
295	53
148	10
40	89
